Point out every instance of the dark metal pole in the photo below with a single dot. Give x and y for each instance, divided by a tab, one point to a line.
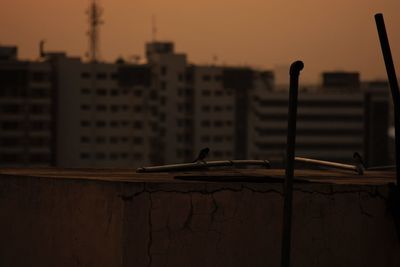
295	69
394	86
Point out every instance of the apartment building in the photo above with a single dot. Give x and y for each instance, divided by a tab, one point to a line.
101	113
66	112
198	106
333	122
26	111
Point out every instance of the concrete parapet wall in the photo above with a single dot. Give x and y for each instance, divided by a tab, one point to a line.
78	222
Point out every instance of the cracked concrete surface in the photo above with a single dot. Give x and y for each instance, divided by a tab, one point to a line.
48	222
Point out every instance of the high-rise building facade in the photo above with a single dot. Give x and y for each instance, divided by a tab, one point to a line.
26	111
65	112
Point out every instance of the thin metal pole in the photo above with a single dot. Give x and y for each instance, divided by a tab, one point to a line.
394	86
330	164
295	69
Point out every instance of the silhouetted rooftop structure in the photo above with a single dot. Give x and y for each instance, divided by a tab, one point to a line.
339	80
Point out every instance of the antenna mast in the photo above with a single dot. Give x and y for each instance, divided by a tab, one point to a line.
153	28
94	13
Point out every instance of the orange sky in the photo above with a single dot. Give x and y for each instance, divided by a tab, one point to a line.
326	35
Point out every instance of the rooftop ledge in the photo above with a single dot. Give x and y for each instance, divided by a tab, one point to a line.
208	176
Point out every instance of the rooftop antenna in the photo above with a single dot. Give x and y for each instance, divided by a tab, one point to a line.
94	12
215	59
42	53
153	28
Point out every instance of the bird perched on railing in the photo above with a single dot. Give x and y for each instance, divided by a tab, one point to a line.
202	154
359	163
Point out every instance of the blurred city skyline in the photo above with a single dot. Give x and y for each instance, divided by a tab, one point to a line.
339	35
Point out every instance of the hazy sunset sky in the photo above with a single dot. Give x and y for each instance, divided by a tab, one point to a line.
326	35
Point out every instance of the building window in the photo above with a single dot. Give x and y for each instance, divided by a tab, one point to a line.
40	76
40	125
85	91
100	155
85	123
114	76
137	156
85	155
163	85
205	123
100	123
114	92
39	158
10	158
85	139
206	78
137	108
10	109
188	92
39	92
10	125
114	140
218	139
137	140
137	125
101	107
138	93
218	93
101	92
85	75
180	122
114	156
162	117
40	109
114	124
101	76
218	154
206	92
205	138
114	108
218	123
85	107
163	70
100	139
10	141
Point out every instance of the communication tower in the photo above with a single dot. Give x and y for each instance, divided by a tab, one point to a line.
95	13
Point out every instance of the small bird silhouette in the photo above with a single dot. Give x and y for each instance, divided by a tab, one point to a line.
359	162
357	157
202	155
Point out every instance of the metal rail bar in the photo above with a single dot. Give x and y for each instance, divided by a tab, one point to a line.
330	164
295	69
204	164
394	86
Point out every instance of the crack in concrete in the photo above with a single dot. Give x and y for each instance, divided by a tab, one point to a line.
362	210
374	194
150	243
188	221
215	208
203	192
